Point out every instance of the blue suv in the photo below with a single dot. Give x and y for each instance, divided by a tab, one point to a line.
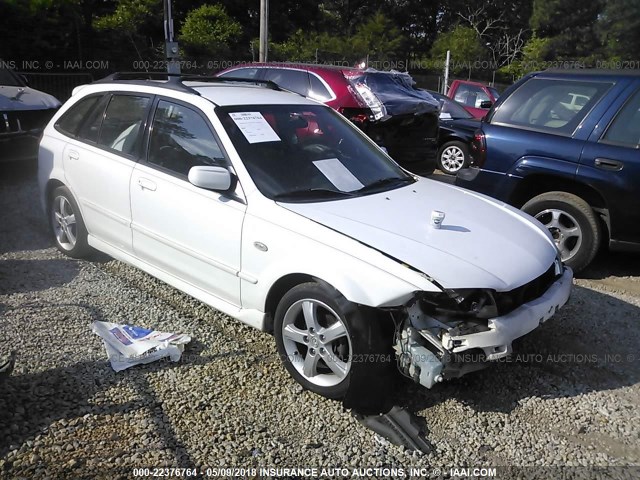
565	147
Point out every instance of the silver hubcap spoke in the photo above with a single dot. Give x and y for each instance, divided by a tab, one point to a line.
64	223
452	159
564	229
316	342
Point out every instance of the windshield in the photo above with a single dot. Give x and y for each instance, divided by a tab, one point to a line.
307	153
8	79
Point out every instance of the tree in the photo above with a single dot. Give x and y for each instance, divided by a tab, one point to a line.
465	47
139	22
208	30
570	26
619	28
377	39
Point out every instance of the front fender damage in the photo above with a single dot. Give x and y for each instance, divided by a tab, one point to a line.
439	337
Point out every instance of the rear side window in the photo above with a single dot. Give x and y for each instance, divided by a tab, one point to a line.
182	139
553	106
70	122
90	128
248	73
122	123
294	80
318	90
625	128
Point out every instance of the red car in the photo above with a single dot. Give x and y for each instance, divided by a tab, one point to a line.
385	105
475	97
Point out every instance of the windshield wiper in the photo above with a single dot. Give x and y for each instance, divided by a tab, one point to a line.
383	182
312	192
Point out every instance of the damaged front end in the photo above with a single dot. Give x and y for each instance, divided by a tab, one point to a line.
448	334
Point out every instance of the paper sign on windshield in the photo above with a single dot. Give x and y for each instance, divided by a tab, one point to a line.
254	127
338	174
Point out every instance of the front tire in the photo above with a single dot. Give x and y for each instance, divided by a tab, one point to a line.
573	224
330	345
452	157
67	225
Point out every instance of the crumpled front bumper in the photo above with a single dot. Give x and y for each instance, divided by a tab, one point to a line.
496	342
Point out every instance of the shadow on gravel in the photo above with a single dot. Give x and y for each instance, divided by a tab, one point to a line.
76	397
617	264
22	222
19	276
591	345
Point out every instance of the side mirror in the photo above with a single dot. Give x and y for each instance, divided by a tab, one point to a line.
211	178
486	104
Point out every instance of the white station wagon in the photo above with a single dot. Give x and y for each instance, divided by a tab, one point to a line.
277	211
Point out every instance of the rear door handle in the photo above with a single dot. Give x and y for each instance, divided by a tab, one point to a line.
608	164
73	155
145	183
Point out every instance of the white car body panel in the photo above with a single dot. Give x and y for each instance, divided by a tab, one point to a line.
187	231
466	252
101	183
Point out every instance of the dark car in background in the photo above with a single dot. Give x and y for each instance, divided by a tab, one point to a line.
385	105
457	128
24	112
565	147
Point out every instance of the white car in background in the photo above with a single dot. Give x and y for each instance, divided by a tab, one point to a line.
277	211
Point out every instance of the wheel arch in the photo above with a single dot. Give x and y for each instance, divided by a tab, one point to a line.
537	184
277	291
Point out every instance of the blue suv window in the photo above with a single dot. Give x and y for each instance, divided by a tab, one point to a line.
552	106
625	128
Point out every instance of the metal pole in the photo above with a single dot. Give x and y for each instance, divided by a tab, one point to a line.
264	30
171	47
445	83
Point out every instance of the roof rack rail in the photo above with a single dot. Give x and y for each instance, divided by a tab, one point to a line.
175	80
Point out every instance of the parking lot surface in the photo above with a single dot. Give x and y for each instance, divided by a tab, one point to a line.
568	397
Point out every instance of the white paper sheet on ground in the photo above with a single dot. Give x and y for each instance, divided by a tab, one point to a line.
254	127
129	345
338	174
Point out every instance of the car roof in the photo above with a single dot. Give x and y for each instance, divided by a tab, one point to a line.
298	66
589	72
227	92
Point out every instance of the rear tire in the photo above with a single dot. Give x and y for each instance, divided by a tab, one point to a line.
573	224
334	347
67	225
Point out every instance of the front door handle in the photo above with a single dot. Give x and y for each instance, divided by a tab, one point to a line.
73	155
147	184
608	164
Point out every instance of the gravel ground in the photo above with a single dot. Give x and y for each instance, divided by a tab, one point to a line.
569	398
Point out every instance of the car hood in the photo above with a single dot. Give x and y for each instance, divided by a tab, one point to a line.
482	243
25	98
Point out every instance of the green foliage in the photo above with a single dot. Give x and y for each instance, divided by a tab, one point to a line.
533	58
619	28
129	16
465	47
209	30
378	39
570	26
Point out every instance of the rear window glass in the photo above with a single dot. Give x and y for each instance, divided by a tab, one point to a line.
318	90
122	123
70	122
294	80
248	73
625	128
553	106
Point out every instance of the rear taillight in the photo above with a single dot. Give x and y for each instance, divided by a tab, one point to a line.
478	150
359	116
